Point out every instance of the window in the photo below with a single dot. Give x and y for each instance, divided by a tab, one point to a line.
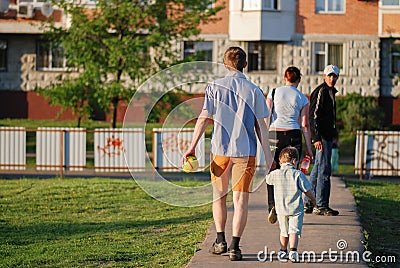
89	2
189	5
262	56
3	55
32	1
327	53
269	4
395	52
50	57
390	2
249	5
200	51
329	6
44	1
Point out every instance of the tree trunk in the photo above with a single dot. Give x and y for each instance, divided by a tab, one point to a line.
114	116
79	121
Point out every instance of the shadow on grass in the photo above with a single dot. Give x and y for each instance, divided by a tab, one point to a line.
34	233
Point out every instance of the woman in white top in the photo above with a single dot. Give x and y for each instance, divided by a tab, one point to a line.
289	117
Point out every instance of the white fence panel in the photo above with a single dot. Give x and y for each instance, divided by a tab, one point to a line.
60	146
12	148
112	146
169	144
377	153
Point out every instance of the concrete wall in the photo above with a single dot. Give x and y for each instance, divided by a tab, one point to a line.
19	49
21	74
360	75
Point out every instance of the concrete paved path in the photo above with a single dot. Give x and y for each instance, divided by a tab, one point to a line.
341	235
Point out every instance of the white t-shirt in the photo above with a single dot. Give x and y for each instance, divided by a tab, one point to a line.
234	103
288	102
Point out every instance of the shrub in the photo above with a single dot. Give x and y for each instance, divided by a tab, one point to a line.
356	112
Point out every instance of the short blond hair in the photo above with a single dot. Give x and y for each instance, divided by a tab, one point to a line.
288	154
235	57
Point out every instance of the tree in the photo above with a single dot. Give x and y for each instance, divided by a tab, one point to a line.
165	104
118	44
356	112
70	93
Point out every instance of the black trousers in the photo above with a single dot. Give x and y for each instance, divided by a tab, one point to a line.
280	140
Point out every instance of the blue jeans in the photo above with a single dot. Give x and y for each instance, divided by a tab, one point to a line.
320	176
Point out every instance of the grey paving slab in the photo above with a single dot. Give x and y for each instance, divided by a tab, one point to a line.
340	235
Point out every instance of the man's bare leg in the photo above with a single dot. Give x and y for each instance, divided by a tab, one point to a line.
240	203
220	188
219	212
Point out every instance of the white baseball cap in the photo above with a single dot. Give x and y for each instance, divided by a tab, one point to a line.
331	69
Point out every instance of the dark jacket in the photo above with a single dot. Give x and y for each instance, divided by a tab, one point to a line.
323	114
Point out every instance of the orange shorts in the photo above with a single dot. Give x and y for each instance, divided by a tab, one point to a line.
241	169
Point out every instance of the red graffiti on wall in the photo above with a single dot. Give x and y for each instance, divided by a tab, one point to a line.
175	144
114	146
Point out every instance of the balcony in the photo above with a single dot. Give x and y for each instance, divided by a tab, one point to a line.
262	20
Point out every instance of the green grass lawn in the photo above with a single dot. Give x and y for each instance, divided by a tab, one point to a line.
378	205
111	222
94	223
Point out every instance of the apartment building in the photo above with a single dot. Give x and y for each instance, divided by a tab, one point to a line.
362	37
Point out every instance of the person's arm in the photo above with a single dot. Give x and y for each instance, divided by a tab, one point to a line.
314	101
310	194
201	124
270	103
336	136
262	134
305	127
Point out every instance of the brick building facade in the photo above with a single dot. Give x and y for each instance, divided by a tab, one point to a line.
361	37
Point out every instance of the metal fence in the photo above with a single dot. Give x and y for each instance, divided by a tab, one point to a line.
58	148
65	149
169	144
119	149
377	153
123	150
100	150
12	148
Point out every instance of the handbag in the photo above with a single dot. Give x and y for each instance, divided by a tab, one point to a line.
272	109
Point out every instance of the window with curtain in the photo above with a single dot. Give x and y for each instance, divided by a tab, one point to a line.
330	6
3	55
327	53
262	56
201	50
50	56
260	5
395	58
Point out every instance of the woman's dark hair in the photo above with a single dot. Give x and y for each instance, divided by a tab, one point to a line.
292	74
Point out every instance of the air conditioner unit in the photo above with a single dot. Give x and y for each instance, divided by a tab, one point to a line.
26	11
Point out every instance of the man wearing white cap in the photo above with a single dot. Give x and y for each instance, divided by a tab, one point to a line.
322	117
